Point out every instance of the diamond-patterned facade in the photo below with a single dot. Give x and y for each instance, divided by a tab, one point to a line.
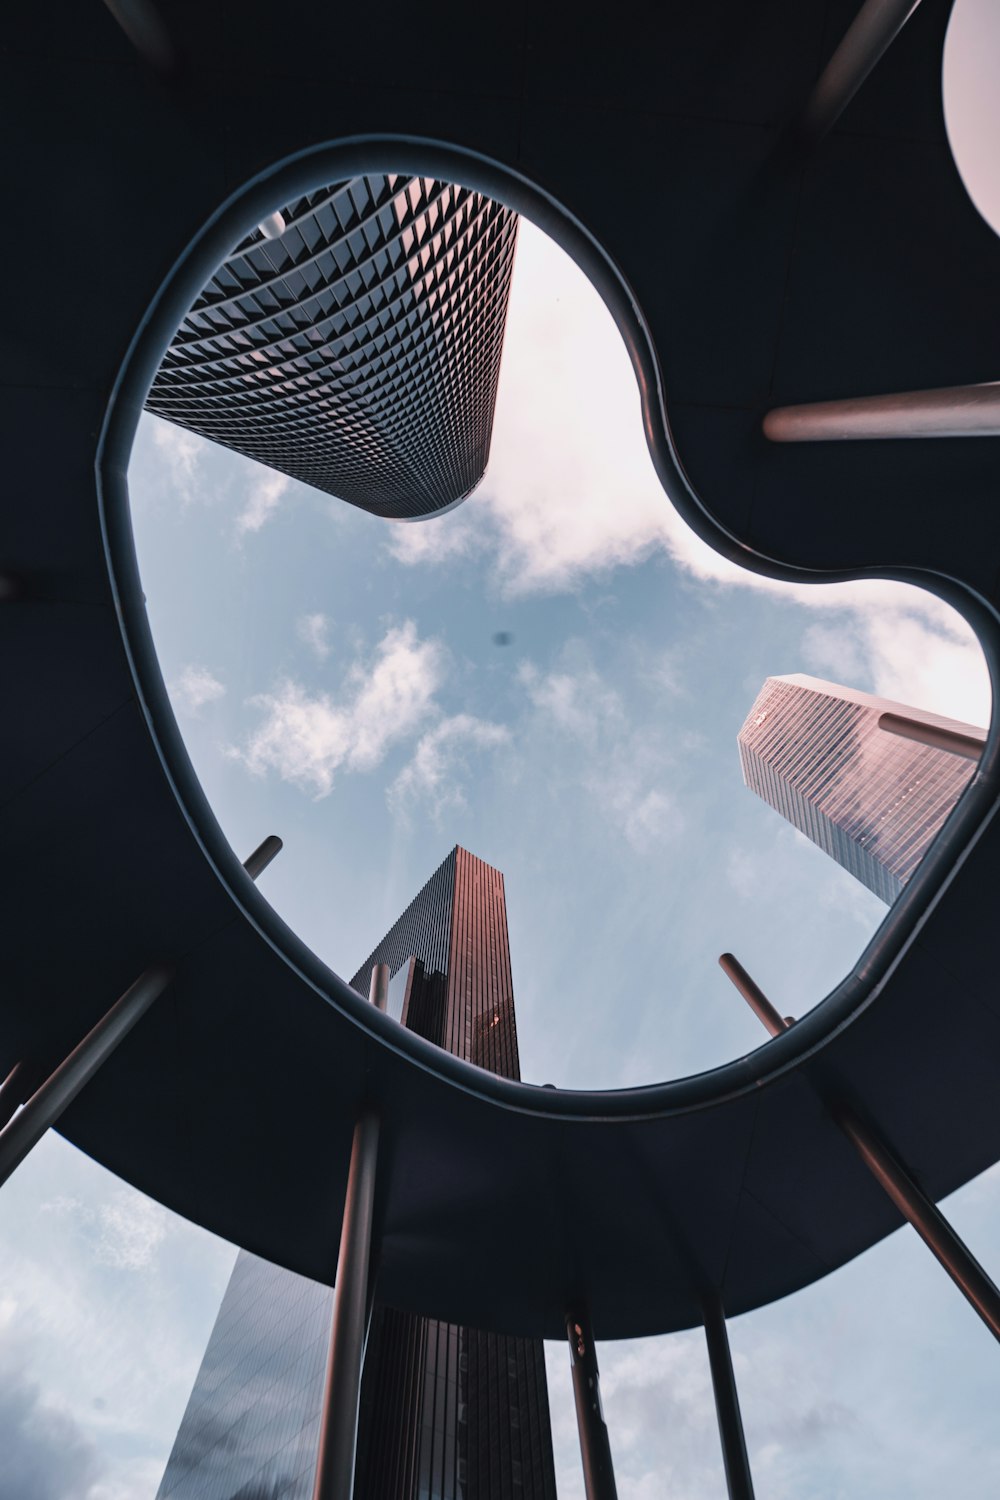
360	351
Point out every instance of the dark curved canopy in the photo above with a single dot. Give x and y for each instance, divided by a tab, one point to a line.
745	272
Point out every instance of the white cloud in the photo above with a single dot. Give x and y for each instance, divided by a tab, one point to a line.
623	769
264	495
555	511
124	1230
434	773
306	737
131	1230
194	687
180	452
577	701
314	631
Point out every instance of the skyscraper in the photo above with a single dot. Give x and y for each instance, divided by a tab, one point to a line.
354	343
447	1413
819	755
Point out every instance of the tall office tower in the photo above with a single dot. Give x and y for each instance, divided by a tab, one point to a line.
354	343
872	799
447	1413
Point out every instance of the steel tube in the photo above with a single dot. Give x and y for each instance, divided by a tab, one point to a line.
352	1302
341	1397
727	1403
913	1203
595	1446
14	1090
61	1087
753	995
954	411
969	746
24	1129
378	987
262	856
925	1216
869	36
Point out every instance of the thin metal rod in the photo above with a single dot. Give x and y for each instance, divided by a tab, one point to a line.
339	1420
262	856
871	33
61	1087
727	1403
352	1302
931	1225
24	1129
595	1446
753	995
273	227
912	1202
378	986
14	1090
969	745
952	411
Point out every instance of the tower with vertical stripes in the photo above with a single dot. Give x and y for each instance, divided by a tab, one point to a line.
447	1413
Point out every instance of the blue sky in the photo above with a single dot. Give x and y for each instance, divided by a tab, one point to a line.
552	675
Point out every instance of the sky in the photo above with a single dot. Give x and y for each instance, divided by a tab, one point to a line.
552	675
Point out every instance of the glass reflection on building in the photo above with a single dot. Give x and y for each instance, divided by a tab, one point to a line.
873	801
447	1413
353	341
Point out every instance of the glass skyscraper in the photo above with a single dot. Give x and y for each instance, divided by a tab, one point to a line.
354	342
874	801
447	1413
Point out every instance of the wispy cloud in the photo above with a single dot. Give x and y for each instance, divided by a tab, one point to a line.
576	700
194	687
125	1230
263	497
554	513
435	774
307	737
621	766
180	452
314	631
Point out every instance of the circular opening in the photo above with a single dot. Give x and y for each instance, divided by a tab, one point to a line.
551	674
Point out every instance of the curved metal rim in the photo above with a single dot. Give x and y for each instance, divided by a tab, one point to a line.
355	156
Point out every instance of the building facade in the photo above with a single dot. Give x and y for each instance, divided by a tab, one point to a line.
447	1413
354	342
816	753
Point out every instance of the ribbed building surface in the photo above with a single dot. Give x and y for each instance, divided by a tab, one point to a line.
447	1413
360	351
814	751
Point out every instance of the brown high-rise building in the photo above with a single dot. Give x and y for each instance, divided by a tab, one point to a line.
874	800
447	1413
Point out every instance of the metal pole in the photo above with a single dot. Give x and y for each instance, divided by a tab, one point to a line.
969	746
338	1439
262	856
25	1129
595	1446
953	411
871	33
14	1090
913	1203
727	1402
752	994
61	1087
931	1225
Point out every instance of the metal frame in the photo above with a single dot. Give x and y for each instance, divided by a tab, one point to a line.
896	1182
